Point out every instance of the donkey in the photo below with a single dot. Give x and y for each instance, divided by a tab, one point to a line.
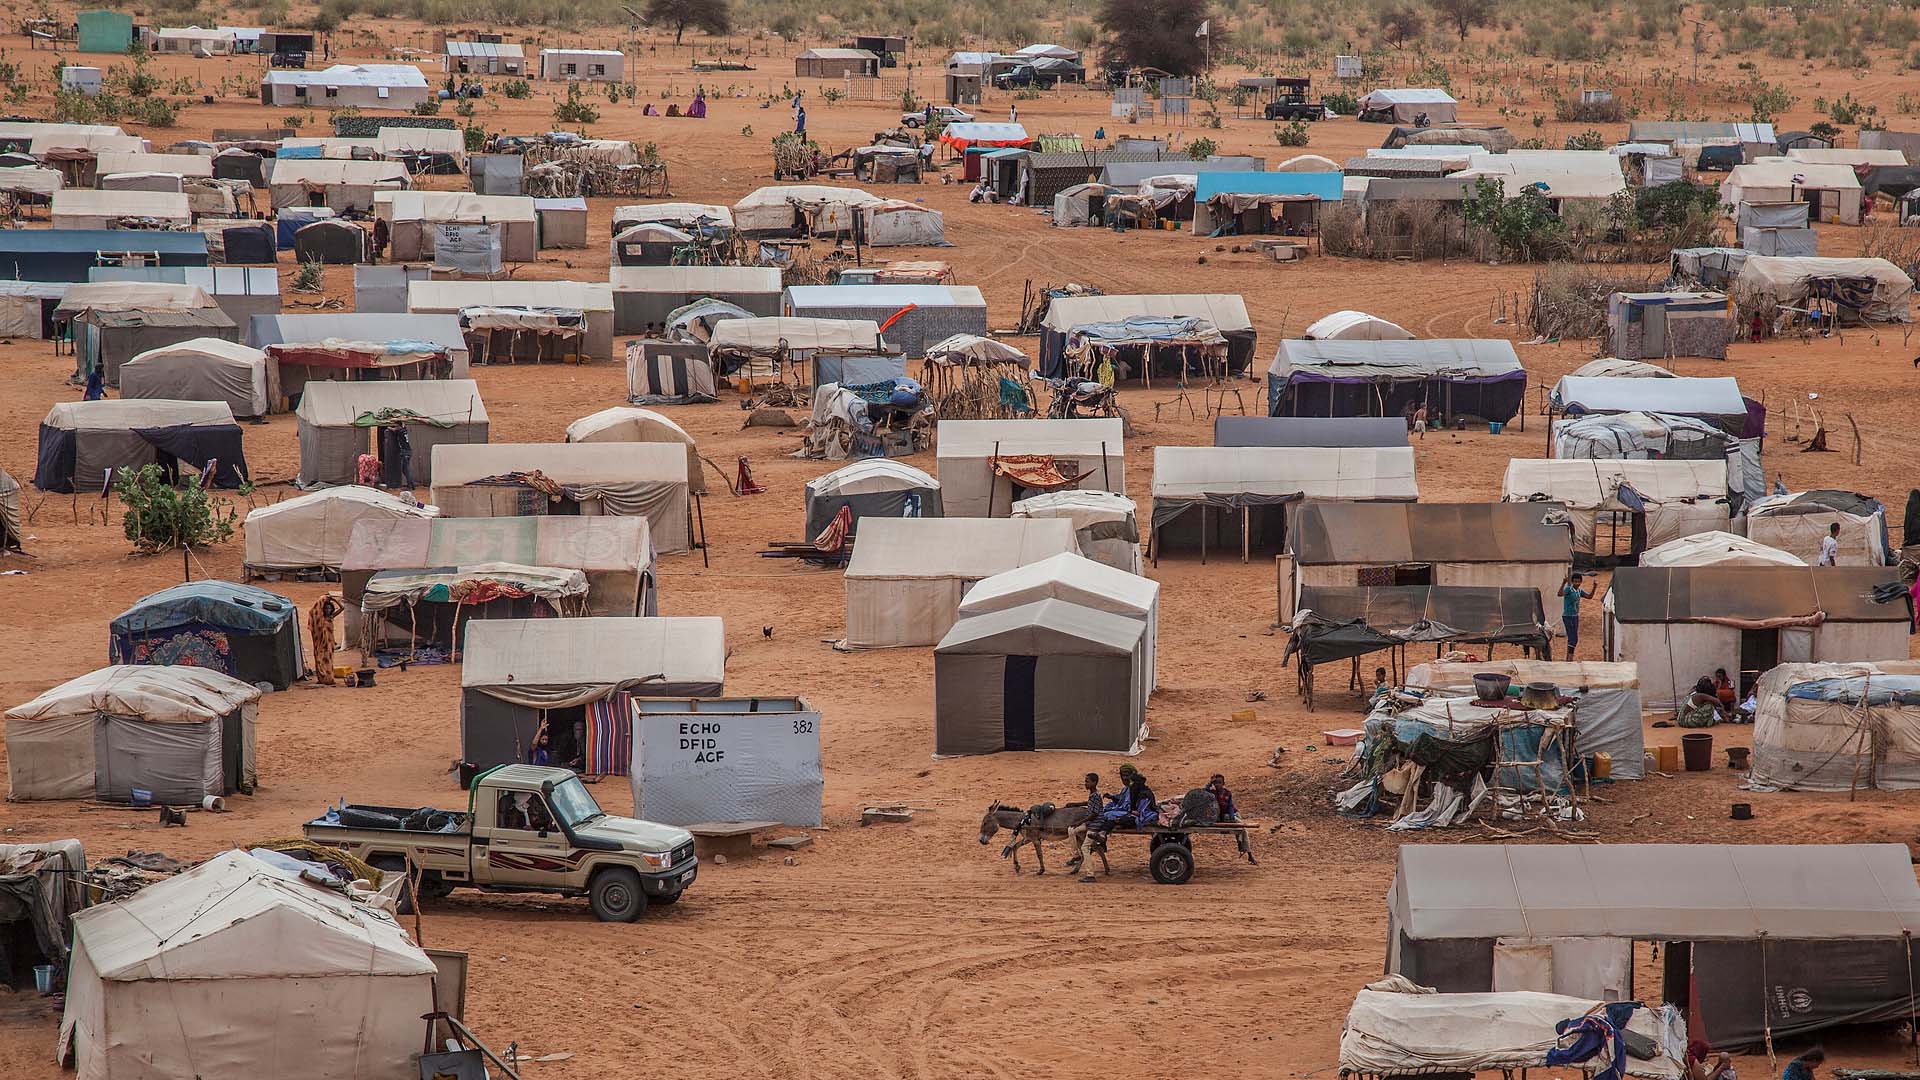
1042	821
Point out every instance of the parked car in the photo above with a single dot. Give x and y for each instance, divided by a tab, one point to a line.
946	114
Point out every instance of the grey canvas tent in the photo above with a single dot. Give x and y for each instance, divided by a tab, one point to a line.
644	296
1354	431
874	487
400	422
81	441
118	336
1243	498
331	241
1474	377
178	733
621	478
204	369
1834	922
383	289
921	315
578	675
1050	675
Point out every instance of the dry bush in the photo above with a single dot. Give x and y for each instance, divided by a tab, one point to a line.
1570	300
1414	230
1886	240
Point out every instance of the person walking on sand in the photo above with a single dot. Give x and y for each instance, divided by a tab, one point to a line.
1570	597
1013	114
1420	420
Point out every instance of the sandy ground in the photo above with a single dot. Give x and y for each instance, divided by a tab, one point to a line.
909	951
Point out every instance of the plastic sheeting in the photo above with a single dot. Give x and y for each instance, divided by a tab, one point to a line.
1396	1034
1837	727
727	759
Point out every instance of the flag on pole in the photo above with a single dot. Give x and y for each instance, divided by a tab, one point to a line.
1204	24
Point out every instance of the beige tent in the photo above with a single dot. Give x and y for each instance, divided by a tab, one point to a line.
1244	497
1717	549
179	732
1077	580
1799	522
977	481
10	534
310	532
908	576
82	297
594	299
203	369
1789	280
241	968
1048	675
800	210
625	423
1681	498
623	479
121	161
26	307
414	213
433	412
681	215
1680	623
80	208
342	185
1832	190
1106	524
1837	727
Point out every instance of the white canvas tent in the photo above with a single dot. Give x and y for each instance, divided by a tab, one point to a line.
626	423
972	486
1245	496
1081	581
179	732
413	214
908	576
204	369
1798	522
241	968
624	479
80	208
311	531
1047	675
871	487
1789	281
1837	727
1405	105
1716	549
1106	523
340	185
1606	719
436	412
1354	326
1832	190
801	210
1679	498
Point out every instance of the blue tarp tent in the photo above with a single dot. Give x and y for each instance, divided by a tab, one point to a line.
238	630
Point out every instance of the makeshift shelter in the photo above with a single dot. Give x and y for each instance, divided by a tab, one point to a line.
1396	1028
240	291
872	487
397	423
1620	508
669	373
1668	324
1227	312
1837	727
1048	675
988	465
763	348
203	369
624	423
1716	549
1404	543
1672	418
593	301
105	340
400	87
914	316
1259	203
243	964
1831	191
896	223
800	210
1610	367
1798	522
578	677
758	759
1408	106
359	345
332	242
961	136
27	307
44	885
310	532
1245	497
113	162
335	184
1834	920
1342	622
1680	623
1605	708
418	614
623	479
1104	523
1354	326
1324	431
414	214
238	630
1078	580
1452	377
178	734
908	576
686	217
80	208
1081	204
81	441
647	296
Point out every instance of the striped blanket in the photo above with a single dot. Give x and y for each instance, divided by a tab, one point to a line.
609	749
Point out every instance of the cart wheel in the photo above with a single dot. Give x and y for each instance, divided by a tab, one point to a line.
1171	864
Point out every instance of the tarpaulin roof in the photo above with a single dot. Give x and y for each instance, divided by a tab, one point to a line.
593	543
338	403
954	547
1333	622
454	206
1354	326
1393	1033
718	216
1584	484
800	334
1669	892
1679	397
1666	594
1140	329
1227	311
806	195
1788	279
83	202
242	608
130	296
1717	549
868	476
1817	501
1047	627
1383	533
1612	367
1405	96
595	651
159	694
1851	157
1422	359
1778	172
120	414
126	161
1202	473
1329	431
328	172
395	588
441	330
803	297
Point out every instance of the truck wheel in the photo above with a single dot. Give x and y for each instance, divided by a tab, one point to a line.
1171	864
615	895
396	864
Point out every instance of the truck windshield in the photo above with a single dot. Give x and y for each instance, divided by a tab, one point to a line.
572	803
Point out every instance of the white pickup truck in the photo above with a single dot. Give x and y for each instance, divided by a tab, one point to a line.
528	828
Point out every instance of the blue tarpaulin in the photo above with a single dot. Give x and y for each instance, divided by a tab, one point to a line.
1875	689
217	603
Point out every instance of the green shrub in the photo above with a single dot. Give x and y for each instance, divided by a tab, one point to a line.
517	89
575	109
429	107
1291	134
1342	102
1202	148
160	516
